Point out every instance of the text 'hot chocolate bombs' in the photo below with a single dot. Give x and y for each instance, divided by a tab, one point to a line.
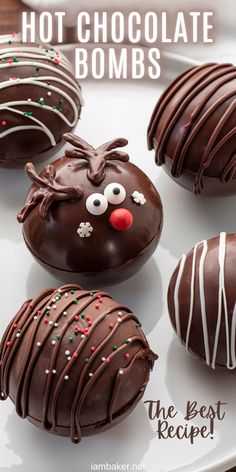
92	214
39	99
193	130
202	301
74	362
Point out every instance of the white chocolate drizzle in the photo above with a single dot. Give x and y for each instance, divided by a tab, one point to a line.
61	76
222	311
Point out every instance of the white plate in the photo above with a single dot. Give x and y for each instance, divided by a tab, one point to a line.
123	109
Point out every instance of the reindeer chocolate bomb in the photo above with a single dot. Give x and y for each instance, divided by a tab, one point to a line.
39	99
91	214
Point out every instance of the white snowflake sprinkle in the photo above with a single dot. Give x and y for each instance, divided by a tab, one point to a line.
121	371
138	198
66	295
85	230
38	343
55	325
50	323
47	372
90	374
54	371
67	353
64	313
66	377
53	342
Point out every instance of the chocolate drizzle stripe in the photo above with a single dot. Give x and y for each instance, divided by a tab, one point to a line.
79	398
81	346
229	170
191	92
30	366
56	351
10	352
166	97
24	307
196	129
121	377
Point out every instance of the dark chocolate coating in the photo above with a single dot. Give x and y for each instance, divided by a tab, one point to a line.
40	99
212	266
193	128
74	362
107	256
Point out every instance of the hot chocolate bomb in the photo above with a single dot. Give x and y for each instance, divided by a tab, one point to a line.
74	362
39	99
202	301
193	128
92	214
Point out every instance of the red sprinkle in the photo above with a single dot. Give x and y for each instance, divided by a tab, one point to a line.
88	317
10	61
56	60
93	348
99	296
75	355
86	330
86	334
77	328
15	325
31	305
76	318
45	320
107	360
111	325
97	306
8	343
4	123
100	300
126	356
90	323
39	312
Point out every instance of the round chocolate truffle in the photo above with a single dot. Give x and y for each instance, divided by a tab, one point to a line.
92	215
74	362
39	99
193	129
202	301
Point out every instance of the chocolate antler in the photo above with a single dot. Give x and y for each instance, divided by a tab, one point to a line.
97	158
49	191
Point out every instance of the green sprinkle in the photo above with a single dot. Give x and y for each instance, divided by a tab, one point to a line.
47	313
76	332
86	360
72	292
127	341
36	75
58	336
75	300
61	101
71	339
52	49
54	107
15	59
37	68
59	296
46	50
41	101
9	42
91	294
115	348
82	315
138	325
60	110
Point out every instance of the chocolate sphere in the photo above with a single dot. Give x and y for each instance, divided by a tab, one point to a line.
74	362
201	301
92	215
193	130
39	99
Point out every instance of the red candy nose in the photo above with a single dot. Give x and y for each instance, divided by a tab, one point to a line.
121	219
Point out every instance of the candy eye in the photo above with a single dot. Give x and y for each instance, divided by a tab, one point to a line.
115	193
96	204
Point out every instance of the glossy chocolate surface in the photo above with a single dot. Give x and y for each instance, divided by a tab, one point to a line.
106	255
201	301
74	362
193	128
